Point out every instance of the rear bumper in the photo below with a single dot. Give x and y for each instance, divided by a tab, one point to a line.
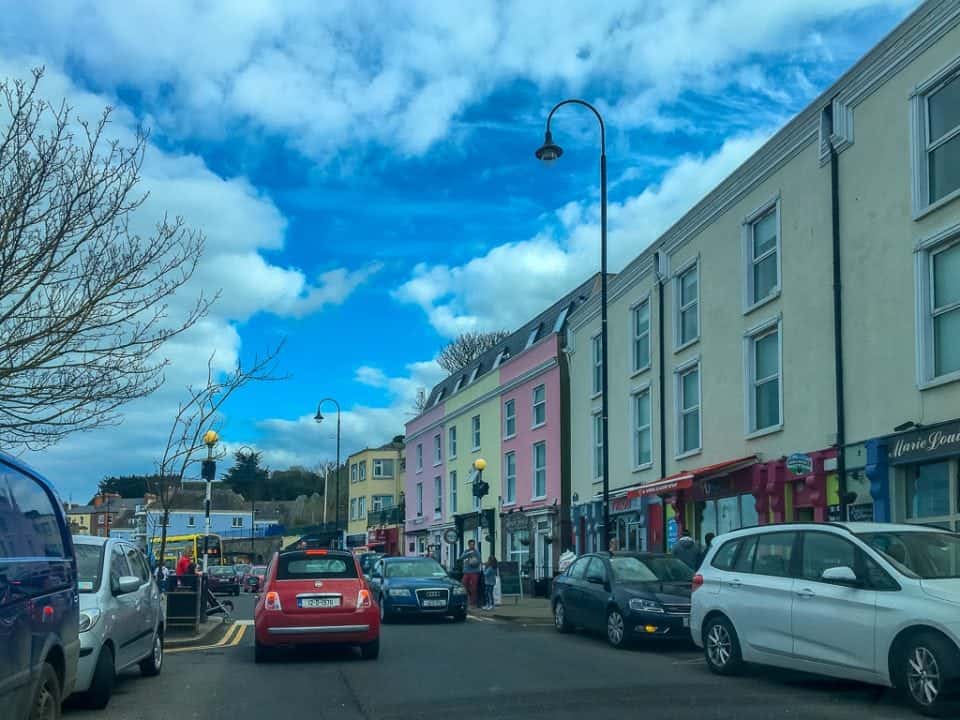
339	628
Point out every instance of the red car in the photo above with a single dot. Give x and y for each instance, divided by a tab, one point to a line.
312	597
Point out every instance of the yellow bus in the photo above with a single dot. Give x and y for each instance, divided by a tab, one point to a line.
177	545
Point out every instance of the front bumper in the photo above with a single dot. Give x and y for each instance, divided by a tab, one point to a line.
658	625
456	605
351	628
91	645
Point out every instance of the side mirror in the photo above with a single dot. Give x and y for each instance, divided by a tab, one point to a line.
842	575
127	584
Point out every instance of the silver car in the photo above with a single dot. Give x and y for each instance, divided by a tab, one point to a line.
121	623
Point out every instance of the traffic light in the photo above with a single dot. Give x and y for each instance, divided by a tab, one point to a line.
481	488
208	470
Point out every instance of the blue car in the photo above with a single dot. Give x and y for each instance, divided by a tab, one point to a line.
39	604
416	586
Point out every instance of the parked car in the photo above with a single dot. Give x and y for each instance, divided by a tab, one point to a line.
368	560
223	579
629	596
121	622
39	615
416	586
313	597
878	603
254	579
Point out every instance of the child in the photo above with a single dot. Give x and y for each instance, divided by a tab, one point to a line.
489	580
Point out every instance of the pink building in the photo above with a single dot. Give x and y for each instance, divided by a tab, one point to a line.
419	492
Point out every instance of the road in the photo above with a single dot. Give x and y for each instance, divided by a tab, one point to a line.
481	668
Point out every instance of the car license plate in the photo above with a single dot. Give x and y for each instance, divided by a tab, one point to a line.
686	622
434	603
330	602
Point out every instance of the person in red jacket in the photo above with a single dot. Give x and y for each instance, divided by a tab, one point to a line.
185	563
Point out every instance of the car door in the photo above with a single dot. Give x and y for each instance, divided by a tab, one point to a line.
572	593
833	623
758	595
596	594
126	623
145	603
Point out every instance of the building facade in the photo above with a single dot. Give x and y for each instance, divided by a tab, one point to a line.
376	482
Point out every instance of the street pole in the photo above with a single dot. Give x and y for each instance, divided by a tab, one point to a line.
319	418
210	439
549	152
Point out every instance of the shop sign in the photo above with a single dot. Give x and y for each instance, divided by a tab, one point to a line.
673	533
861	513
926	444
833	513
515	522
451	536
800	464
620	504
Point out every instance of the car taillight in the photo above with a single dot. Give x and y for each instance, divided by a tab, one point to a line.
363	599
697	581
272	601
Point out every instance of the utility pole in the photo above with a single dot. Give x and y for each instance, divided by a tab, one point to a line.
208	472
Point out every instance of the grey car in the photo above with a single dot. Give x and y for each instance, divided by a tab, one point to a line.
121	622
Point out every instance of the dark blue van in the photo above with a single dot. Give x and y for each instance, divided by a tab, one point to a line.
39	604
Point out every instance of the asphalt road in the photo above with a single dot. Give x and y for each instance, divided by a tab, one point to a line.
478	669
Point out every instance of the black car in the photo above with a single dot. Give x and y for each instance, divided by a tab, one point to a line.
626	595
416	586
224	579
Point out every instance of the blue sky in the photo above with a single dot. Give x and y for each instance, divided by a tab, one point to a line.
364	172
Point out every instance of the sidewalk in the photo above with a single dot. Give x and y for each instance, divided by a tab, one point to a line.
528	610
178	638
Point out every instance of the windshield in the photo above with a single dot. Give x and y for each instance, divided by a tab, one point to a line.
415	569
242	568
89	566
927	555
222	571
259	570
650	569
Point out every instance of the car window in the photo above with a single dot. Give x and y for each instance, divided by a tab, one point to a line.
774	554
118	567
668	569
300	567
89	566
822	551
877	577
724	557
136	565
30	525
415	569
918	554
579	569
597	570
748	550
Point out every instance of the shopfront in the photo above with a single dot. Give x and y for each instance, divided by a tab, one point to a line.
629	520
587	525
915	475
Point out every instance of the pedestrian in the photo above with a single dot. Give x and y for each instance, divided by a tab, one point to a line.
614	545
687	551
489	581
472	567
707	542
185	562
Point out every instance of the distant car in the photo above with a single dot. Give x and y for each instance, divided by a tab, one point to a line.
416	586
368	560
629	596
242	569
223	579
254	579
315	597
39	614
121	622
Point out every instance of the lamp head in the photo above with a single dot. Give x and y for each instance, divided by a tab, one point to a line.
318	417
480	464
549	151
210	438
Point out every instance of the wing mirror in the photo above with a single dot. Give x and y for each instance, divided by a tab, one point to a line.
127	584
842	575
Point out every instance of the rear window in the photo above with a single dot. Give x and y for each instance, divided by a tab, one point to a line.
299	567
723	560
222	571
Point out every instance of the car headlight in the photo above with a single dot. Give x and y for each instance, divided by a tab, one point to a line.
459	590
645	605
398	592
89	618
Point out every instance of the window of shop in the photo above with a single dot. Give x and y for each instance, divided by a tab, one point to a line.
930	494
631	535
642	444
764	387
518	550
640	316
726	514
510	478
452	442
688	408
762	245
687	303
539	405
509	419
597	446
539	471
936	142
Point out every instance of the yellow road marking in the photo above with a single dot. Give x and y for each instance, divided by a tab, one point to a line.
239	635
231	638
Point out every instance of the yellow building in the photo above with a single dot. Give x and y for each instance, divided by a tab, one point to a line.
376	478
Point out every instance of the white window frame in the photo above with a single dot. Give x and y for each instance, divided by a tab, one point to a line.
437	497
508	497
919	145
634	338
376	503
236	521
534	469
453	491
191	521
596	467
750	338
749	223
532	338
534	405
353	472
596	365
420	499
362	507
437	449
692	264
473	374
361	471
456	386
475	437
924	254
636	429
378	463
353	508
452	442
678	374
419	457
508	418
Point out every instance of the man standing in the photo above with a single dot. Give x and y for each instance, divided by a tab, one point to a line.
184	563
472	567
687	551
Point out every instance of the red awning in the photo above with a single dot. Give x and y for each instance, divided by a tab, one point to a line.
684	480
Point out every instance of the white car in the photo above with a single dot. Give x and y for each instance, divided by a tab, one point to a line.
878	603
121	623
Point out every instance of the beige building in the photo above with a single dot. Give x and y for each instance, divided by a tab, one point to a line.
376	477
725	406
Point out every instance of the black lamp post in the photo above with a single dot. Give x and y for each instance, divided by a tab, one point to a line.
319	418
549	152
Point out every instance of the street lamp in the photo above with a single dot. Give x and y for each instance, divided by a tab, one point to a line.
319	418
210	439
253	499
549	152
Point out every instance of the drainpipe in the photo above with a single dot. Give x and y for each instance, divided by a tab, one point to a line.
837	320
658	259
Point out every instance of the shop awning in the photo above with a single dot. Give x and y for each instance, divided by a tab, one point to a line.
685	479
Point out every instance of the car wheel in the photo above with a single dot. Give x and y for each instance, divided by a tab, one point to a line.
925	670
370	650
101	686
150	666
721	647
385	617
616	629
46	698
560	617
261	653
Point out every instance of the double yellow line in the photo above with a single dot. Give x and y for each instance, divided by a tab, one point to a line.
231	638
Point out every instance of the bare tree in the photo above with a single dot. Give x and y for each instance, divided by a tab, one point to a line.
83	298
197	414
465	348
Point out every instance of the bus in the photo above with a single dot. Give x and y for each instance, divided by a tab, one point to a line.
177	545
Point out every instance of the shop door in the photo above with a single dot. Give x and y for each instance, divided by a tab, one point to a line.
543	557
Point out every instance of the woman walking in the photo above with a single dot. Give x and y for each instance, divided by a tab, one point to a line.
489	580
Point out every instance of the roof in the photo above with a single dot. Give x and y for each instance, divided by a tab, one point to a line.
81	510
550	321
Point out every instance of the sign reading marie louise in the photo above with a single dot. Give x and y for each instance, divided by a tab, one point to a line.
926	444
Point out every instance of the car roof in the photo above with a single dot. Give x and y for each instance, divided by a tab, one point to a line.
318	552
28	470
92	540
405	559
854	528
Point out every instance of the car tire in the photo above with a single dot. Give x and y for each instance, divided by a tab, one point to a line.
150	666
560	621
925	670
617	634
45	704
261	653
101	686
370	650
721	647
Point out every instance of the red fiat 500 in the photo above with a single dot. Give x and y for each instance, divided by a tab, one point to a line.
312	597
